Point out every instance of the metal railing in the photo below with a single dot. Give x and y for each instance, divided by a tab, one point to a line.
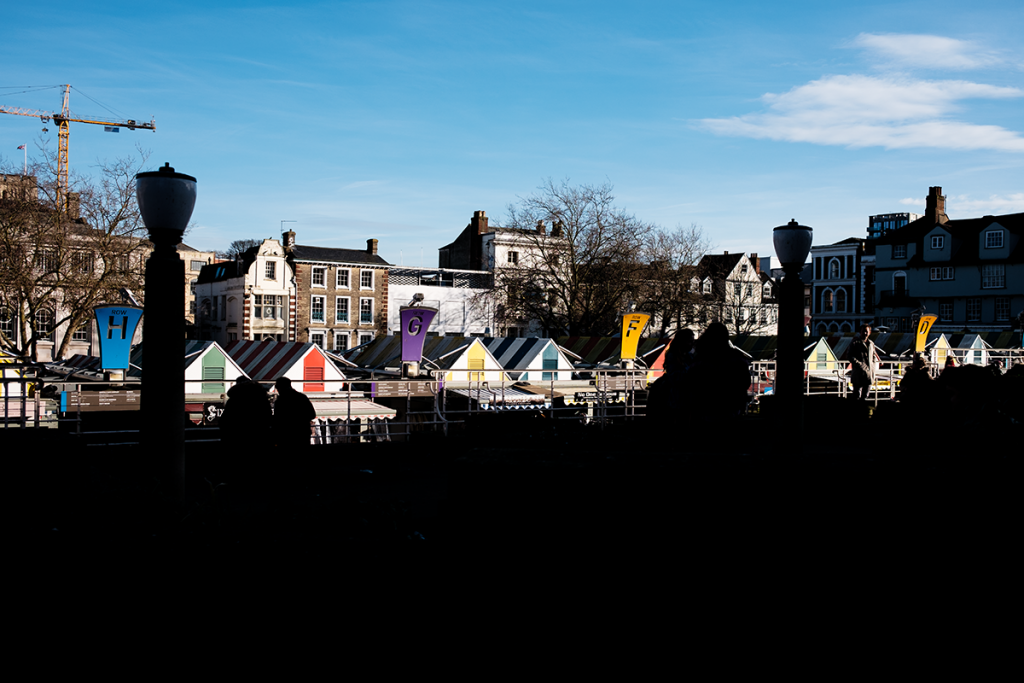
598	397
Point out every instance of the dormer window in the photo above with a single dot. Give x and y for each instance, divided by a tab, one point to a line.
707	286
994	239
937	241
899	251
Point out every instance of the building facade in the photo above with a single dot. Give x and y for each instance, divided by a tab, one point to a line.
461	297
194	262
968	272
252	298
341	294
842	286
734	293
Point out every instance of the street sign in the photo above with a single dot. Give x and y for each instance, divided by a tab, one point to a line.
100	401
116	325
402	389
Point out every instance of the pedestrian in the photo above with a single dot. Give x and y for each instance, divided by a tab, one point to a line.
293	415
666	396
719	379
862	363
244	426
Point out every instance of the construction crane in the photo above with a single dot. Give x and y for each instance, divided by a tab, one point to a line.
62	120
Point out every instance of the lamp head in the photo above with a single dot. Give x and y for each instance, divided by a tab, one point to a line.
166	200
792	244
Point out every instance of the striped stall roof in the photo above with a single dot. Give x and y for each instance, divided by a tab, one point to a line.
193	350
265	361
596	350
387	351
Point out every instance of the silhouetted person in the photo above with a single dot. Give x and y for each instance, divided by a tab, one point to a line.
718	381
862	363
244	425
666	396
293	413
916	387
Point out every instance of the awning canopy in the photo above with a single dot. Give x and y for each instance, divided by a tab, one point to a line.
504	399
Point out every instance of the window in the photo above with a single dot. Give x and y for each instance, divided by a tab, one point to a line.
937	241
267	306
271	272
341	341
192	308
44	324
257	305
973	310
197	265
994	239
81	334
366	279
223	306
766	291
83	261
319	276
317	339
316	310
743	269
341	310
840	300
1002	308
513	257
366	311
899	251
750	290
365	338
707	286
342	278
737	288
833	269
213	313
993	277
827	301
940	273
7	322
48	261
192	286
945	310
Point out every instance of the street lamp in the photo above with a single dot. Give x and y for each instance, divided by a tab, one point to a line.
792	244
166	200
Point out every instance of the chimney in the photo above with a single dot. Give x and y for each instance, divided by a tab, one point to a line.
541	230
479	223
757	264
935	206
288	239
725	253
556	229
74	205
371	246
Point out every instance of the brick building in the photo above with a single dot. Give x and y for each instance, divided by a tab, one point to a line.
341	294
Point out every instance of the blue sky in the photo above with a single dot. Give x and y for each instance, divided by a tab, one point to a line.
396	120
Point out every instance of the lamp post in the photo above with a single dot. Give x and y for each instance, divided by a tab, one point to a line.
792	244
166	200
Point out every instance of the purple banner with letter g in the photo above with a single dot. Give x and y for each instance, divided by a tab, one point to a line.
415	323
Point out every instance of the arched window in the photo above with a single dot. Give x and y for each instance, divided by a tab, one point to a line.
833	269
7	322
841	301
833	327
827	304
707	286
822	329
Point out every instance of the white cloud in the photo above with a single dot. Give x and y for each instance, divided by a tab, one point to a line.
962	206
867	111
923	51
910	201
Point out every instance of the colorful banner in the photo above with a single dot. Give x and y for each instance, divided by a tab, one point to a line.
116	327
415	323
923	327
632	325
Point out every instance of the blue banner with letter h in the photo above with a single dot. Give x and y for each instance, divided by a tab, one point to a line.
116	326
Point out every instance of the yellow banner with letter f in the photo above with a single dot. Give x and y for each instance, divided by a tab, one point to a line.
923	327
632	325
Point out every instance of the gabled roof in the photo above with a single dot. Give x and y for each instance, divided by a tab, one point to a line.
596	350
518	352
967	231
310	254
387	351
218	272
719	265
265	361
194	350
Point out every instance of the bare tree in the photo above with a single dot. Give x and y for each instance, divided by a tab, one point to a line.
568	258
238	247
55	266
671	291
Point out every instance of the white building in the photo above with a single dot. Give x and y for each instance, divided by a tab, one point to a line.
250	298
461	298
